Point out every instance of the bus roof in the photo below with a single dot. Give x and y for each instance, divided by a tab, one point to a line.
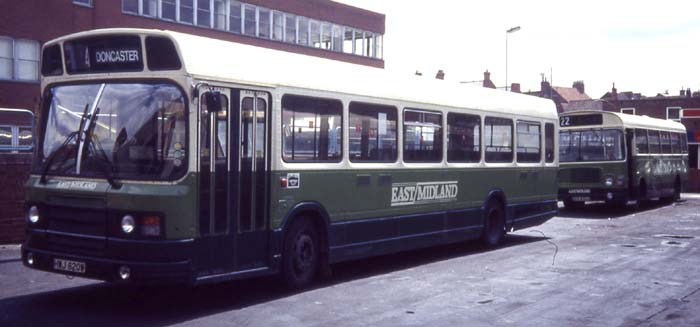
213	59
630	121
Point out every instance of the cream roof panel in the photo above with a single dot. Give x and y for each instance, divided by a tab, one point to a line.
635	121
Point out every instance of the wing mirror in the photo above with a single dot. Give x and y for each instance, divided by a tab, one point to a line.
213	101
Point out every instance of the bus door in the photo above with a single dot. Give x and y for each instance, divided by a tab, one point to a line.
251	196
214	250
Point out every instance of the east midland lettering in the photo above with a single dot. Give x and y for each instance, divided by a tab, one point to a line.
424	192
116	56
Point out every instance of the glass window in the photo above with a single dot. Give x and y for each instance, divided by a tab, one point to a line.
665	142
312	129
168	10
613	144
139	131
130	6
675	143
27	55
6	57
277	25
337	38
326	36
235	17
463	138
264	23
25	137
314	34
303	31
359	42
640	141
369	45
250	21
150	8
220	14
83	2
549	142
684	143
422	136
372	131
498	139
204	13
654	142
348	41
187	11
5	136
529	142
290	28
673	113
379	39
569	146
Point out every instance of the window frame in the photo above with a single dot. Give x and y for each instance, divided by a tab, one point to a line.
396	132
447	138
84	3
512	140
680	113
442	134
644	132
634	111
15	60
554	143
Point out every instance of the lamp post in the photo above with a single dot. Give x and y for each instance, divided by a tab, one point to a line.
510	30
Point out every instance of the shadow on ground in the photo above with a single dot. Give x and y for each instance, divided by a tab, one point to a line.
103	304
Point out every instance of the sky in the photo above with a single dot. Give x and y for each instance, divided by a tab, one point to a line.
648	47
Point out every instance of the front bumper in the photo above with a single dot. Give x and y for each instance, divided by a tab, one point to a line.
582	194
149	262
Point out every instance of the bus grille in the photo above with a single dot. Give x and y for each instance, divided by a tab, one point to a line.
579	175
79	231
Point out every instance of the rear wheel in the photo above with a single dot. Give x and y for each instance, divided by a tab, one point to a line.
494	224
301	254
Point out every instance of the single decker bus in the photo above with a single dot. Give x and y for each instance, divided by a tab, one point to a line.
167	157
620	158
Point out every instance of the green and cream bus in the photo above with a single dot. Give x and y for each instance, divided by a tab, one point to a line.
618	158
167	157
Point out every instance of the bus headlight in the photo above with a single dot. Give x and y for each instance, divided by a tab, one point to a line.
33	214
608	181
128	224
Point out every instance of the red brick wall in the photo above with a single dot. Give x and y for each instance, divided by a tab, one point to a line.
14	171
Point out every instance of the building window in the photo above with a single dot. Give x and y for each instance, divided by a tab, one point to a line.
19	59
673	113
255	21
87	3
311	129
422	136
372	130
629	111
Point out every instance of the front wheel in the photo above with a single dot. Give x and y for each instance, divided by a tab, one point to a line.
494	224
301	255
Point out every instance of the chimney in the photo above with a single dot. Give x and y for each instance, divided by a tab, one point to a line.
614	92
515	87
580	87
419	73
688	93
440	74
487	80
487	76
545	89
682	92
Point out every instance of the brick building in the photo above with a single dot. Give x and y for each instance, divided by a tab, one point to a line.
563	97
320	28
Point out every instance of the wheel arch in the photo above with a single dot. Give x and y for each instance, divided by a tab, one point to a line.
319	217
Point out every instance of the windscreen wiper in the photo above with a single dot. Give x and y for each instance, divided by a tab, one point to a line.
68	139
93	143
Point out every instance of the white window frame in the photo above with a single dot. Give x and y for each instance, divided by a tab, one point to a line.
634	111
14	59
680	113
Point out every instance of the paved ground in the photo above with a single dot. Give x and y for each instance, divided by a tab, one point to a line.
584	268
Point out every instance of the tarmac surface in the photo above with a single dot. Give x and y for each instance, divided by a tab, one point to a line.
590	267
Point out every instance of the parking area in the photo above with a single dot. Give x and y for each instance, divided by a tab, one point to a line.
586	267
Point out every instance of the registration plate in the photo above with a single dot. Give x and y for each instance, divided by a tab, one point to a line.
580	191
69	266
581	198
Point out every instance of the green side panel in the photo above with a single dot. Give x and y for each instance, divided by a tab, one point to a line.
359	194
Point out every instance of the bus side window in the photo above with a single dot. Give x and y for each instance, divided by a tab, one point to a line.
463	138
312	129
640	141
498	139
675	143
422	136
684	143
372	133
549	142
654	145
529	142
665	142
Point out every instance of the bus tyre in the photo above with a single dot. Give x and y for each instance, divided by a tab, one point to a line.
494	224
301	255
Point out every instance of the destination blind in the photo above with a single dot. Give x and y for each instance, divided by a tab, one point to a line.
111	53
